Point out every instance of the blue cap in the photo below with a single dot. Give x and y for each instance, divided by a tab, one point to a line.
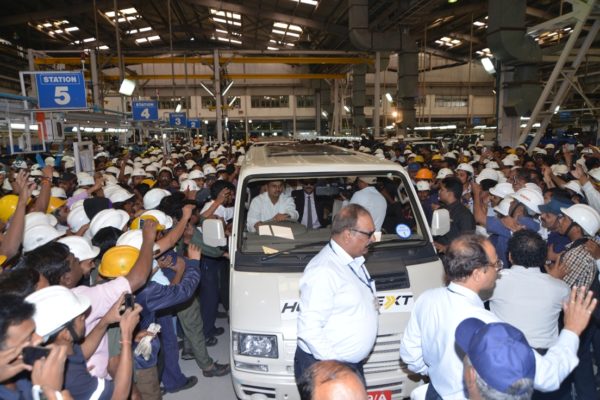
413	166
498	351
554	206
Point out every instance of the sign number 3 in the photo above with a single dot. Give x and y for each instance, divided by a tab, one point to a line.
61	95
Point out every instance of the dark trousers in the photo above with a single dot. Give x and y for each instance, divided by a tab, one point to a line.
583	375
432	394
303	360
171	375
209	292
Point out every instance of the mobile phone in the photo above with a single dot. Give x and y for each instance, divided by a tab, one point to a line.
142	222
129	302
33	353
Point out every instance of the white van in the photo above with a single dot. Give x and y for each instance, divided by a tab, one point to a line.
266	269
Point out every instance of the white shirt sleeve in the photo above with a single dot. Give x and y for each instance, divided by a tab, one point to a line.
316	303
253	214
593	196
560	360
411	350
289	207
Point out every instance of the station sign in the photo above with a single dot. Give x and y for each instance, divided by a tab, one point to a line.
193	123
178	120
144	110
61	90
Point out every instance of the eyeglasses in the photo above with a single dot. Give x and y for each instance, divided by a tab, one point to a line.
367	234
498	265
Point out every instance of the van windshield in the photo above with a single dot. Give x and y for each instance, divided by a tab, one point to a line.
305	228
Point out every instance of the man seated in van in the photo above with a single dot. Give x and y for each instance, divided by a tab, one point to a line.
271	205
314	211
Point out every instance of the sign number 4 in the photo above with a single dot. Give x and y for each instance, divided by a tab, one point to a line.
145	113
61	95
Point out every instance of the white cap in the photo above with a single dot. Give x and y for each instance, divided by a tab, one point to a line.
423	186
134	238
487	173
575	186
444	172
502	190
196	174
153	197
465	167
119	195
58	192
80	247
161	217
39	235
109	217
188	184
85	179
504	206
39	218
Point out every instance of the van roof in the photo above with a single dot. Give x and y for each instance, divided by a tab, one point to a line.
311	158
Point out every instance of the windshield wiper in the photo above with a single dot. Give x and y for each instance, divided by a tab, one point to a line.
398	240
300	246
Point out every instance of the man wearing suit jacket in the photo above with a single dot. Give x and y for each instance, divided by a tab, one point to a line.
316	208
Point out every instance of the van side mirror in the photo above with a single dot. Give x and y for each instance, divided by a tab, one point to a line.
440	222
213	233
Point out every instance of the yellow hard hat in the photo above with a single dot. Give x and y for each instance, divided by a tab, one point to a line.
118	261
54	204
137	223
419	159
511	151
436	157
149	182
8	205
2	259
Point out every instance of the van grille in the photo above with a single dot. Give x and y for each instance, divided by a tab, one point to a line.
250	390
396	280
385	358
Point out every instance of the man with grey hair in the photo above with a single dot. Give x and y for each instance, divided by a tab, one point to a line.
338	306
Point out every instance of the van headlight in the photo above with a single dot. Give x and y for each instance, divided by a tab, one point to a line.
254	345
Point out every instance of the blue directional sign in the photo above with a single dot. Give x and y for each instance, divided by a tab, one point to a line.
61	90
145	110
193	123
178	120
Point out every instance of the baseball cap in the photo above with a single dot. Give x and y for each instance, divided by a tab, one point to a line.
499	352
554	206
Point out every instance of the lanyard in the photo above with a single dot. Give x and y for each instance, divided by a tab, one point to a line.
367	282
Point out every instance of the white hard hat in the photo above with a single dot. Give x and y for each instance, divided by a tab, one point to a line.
423	186
161	217
492	165
38	235
153	197
531	198
531	185
450	154
584	216
138	172
39	218
465	167
113	170
119	195
487	173
36	172
189	184
504	206
209	169
77	218
575	186
127	170
502	190
55	306
49	161
134	238
559	169
58	192
109	217
69	164
444	172
595	173
183	177
508	161
80	247
85	179
151	168
110	180
196	174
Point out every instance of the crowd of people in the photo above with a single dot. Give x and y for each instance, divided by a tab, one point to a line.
120	252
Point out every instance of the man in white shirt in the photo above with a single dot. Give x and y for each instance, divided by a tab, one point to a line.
271	205
428	345
338	307
370	198
524	296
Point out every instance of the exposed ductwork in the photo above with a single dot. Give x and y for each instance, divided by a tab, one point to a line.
509	43
400	41
358	98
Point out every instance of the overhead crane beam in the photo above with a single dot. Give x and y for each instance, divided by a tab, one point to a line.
209	60
229	76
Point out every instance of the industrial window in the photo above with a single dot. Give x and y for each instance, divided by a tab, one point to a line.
168	103
451	101
208	102
270	101
305	101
